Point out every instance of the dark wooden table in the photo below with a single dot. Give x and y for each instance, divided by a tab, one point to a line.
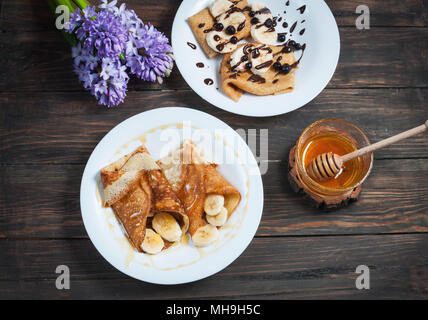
49	126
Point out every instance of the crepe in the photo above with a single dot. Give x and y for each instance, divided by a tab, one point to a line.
204	21
194	179
235	84
136	189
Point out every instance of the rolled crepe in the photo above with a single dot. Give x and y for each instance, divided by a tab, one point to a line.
194	179
136	189
271	83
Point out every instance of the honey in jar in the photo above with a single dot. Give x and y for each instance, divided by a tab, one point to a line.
337	144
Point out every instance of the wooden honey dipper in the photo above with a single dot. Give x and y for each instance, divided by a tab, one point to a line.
327	165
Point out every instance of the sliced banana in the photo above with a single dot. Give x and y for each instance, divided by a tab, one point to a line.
213	204
219	219
261	63
257	6
263	34
231	19
236	60
166	225
205	235
220	42
152	242
261	12
220	6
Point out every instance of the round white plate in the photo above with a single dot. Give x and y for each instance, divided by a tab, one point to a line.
315	70
162	130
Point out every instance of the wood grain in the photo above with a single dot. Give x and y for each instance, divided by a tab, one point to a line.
49	126
382	13
34	16
381	57
271	268
43	129
42	201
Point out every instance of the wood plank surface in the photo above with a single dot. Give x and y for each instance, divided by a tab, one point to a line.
379	57
49	126
43	129
42	201
33	16
270	268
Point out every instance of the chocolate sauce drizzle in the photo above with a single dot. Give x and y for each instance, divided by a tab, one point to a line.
291	46
249	49
302	9
256	78
293	27
233	8
264	65
208	81
191	45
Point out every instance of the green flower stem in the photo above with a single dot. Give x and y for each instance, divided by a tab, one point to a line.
82	4
65	3
53	4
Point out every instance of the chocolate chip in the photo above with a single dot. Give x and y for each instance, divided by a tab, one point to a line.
255	21
277	66
230	30
285	68
268	23
218	26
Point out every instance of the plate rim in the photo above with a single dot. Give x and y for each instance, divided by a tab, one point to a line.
255	114
128	271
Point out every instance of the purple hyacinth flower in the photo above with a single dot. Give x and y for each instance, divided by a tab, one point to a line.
111	40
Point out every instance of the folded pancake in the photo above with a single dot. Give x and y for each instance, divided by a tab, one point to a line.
203	22
208	198
142	199
272	82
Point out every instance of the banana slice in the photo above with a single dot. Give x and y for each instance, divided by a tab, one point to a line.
262	61
152	242
219	7
262	12
263	34
220	42
218	220
257	6
166	225
205	235
231	19
237	60
213	204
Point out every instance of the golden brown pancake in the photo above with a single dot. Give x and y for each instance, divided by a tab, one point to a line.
193	180
135	187
235	84
204	19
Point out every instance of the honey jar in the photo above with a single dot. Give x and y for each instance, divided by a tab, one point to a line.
340	137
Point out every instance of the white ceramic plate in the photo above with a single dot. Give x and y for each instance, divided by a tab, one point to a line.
315	70
162	130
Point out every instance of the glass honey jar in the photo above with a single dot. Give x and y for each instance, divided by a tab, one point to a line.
340	137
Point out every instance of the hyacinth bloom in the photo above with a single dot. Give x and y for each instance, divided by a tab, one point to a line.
112	42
